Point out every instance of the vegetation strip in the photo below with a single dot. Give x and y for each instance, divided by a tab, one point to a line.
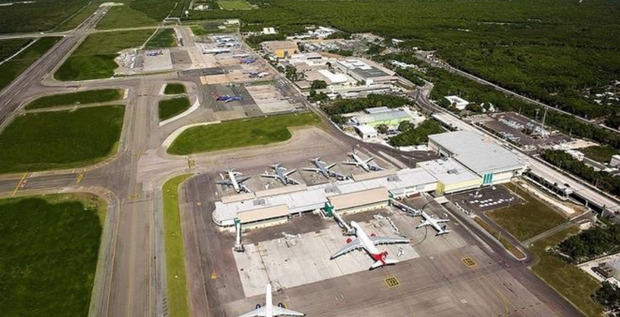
567	279
239	133
50	247
526	220
81	97
169	108
507	245
174	89
175	254
13	68
60	139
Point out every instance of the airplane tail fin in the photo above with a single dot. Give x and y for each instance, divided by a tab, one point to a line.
385	262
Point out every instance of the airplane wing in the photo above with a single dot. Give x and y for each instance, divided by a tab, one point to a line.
369	159
388	240
353	245
287	173
277	311
269	175
259	312
350	163
311	169
294	181
242	179
330	165
224	182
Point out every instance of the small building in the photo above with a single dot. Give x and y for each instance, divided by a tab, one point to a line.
232	22
458	102
479	154
362	71
615	160
451	176
281	49
366	132
381	115
269	31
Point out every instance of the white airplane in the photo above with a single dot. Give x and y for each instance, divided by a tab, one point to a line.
281	174
269	310
364	164
369	244
433	222
324	169
235	182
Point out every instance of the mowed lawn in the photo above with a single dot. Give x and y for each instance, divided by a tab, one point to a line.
239	133
163	38
94	58
566	278
169	108
49	254
73	98
174	89
14	67
234	5
175	254
528	219
60	139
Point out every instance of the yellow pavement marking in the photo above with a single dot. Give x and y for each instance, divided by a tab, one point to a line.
213	276
468	261
190	163
391	281
79	177
19	184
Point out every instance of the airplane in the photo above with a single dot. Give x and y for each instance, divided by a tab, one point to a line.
364	164
369	244
281	174
228	98
269	310
433	222
324	169
258	74
235	182
248	60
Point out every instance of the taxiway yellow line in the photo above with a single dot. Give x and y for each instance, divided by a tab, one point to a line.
19	184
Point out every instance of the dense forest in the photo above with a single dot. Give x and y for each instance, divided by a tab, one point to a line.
410	135
592	243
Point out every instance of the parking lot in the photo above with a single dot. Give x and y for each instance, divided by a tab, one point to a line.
485	199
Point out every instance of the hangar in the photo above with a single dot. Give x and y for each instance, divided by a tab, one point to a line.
479	154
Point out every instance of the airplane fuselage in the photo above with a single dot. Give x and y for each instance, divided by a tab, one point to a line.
368	245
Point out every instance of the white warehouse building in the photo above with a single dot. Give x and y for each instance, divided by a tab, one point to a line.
480	154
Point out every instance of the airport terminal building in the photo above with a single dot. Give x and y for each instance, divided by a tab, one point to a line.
469	161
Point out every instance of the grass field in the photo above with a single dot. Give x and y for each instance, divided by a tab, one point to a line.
73	98
60	139
124	16
49	246
507	245
174	89
526	220
163	38
40	15
234	5
239	133
171	107
13	68
601	154
567	279
11	46
175	255
78	17
94	58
